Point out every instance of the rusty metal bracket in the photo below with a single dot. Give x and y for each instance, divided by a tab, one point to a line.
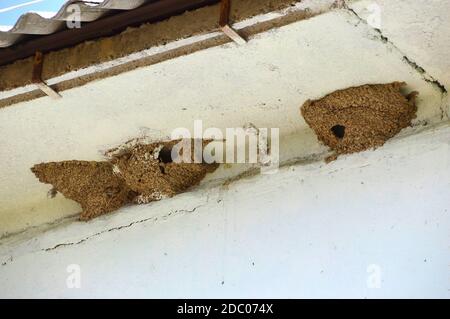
37	76
225	25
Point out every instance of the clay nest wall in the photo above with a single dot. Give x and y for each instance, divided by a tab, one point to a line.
138	174
360	118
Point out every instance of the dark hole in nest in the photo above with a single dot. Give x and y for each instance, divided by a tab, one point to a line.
338	131
165	155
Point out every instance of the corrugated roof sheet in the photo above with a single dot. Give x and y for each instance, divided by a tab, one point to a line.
34	24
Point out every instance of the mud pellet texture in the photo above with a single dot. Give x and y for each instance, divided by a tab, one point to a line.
92	184
360	118
138	174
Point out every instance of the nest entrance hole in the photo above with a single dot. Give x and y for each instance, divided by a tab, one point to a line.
338	131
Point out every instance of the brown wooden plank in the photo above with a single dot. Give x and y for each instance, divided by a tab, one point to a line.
224	12
107	26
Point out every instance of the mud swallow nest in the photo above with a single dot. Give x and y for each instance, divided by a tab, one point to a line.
139	174
360	118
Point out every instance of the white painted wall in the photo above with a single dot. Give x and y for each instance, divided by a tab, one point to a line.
312	230
418	28
309	231
264	82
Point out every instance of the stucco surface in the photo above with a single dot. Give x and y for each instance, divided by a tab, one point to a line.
263	82
369	225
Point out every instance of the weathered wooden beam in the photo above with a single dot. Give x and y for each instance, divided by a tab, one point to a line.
36	77
224	23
